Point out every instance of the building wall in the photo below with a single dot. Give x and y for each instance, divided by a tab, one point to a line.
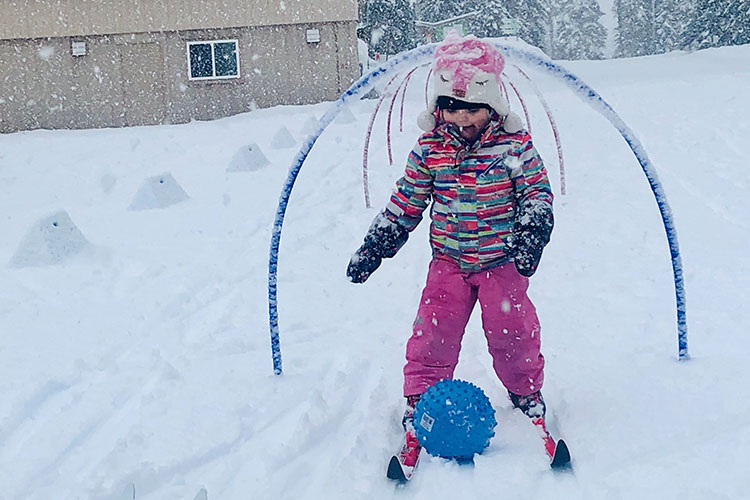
142	78
58	18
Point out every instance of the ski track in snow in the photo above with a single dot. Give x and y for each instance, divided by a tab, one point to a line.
146	360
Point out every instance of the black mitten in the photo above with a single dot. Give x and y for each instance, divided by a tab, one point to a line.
382	241
362	264
531	233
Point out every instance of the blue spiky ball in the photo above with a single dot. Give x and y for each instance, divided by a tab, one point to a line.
454	419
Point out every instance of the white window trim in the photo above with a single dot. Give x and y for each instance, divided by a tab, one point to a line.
213	43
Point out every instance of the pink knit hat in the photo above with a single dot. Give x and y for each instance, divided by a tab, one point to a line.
468	69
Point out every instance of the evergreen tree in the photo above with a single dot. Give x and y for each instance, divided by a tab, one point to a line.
437	10
655	26
389	26
717	23
633	32
489	21
671	18
739	24
574	30
533	15
492	13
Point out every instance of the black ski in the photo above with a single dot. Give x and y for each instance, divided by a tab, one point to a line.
561	457
399	472
395	471
556	449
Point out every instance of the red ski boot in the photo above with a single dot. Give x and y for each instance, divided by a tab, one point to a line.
533	406
402	465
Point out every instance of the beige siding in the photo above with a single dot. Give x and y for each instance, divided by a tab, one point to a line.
41	85
142	79
58	18
143	92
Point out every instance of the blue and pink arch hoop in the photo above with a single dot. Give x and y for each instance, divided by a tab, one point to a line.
421	55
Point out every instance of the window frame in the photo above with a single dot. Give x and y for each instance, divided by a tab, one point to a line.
213	43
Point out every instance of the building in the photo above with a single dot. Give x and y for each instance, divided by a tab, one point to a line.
114	63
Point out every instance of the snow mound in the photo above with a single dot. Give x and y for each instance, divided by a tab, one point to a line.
283	139
159	191
108	182
345	116
50	241
311	126
248	158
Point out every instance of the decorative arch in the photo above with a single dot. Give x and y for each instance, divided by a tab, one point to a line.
421	55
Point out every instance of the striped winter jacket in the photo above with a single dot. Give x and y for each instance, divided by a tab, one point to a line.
476	191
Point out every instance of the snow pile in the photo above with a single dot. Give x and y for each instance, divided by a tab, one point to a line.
282	139
310	126
345	117
248	158
159	191
51	240
107	182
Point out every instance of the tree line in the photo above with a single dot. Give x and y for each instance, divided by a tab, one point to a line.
657	26
566	29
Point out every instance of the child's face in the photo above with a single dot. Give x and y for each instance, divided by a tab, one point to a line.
469	122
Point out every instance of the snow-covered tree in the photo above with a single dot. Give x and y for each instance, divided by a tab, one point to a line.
651	26
489	21
437	10
717	23
532	14
671	17
634	31
492	14
740	22
574	30
388	26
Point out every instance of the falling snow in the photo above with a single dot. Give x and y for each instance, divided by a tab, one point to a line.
46	53
159	329
505	306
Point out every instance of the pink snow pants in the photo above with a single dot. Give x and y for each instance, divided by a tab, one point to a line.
509	321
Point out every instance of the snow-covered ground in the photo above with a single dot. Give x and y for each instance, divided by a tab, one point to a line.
141	353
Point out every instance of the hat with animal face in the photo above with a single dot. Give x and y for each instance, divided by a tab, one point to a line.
468	69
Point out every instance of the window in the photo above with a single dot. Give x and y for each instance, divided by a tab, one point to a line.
216	59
